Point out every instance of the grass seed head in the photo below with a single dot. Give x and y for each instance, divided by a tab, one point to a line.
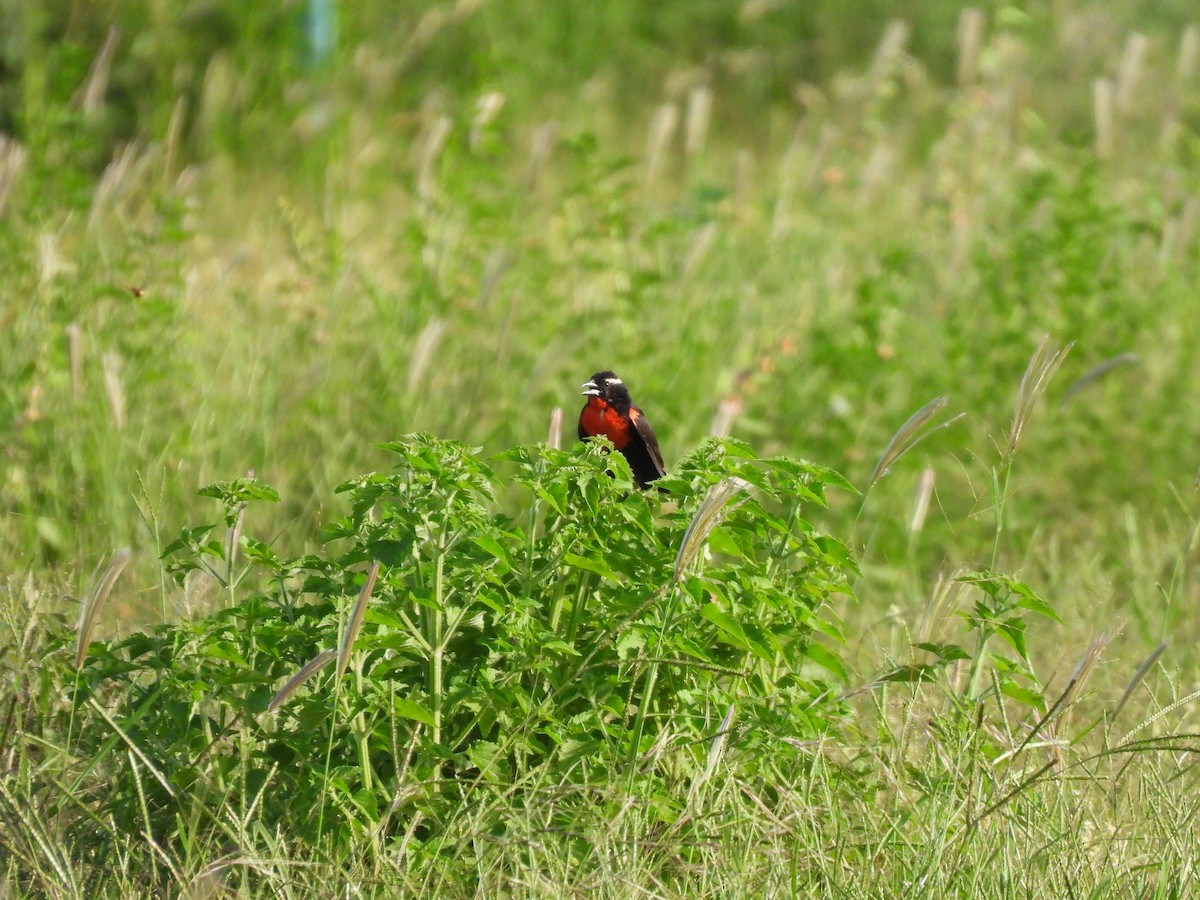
354	625
708	516
94	600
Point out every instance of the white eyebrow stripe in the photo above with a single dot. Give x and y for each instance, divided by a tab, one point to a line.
613	380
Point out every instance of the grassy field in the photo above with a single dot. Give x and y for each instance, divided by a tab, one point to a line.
248	247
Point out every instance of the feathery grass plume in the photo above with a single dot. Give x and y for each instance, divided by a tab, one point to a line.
921	498
1145	667
1062	706
909	436
699	114
1042	366
487	107
708	516
877	174
716	750
93	601
75	355
422	352
113	387
171	142
662	130
545	136
1129	72
50	262
889	54
91	95
310	668
729	410
354	625
125	166
1097	372
12	161
1102	106
970	40
1189	56
943	598
701	244
431	149
554	438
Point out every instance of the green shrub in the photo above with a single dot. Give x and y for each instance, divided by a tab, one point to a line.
611	637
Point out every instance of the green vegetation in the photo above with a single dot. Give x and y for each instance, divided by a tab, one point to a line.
951	255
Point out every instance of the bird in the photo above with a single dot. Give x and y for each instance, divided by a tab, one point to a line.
610	412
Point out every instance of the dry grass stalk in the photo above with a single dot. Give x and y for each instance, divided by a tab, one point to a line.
112	183
431	150
1042	366
75	355
422	352
132	745
498	261
921	498
970	40
95	86
727	412
354	625
1102	105
1097	372
114	388
12	161
1075	684
93	601
174	137
943	600
554	438
910	435
662	131
699	114
544	139
313	666
702	243
716	750
1146	666
708	516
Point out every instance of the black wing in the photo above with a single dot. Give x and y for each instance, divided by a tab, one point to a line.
646	433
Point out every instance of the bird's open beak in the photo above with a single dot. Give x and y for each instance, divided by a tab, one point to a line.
592	390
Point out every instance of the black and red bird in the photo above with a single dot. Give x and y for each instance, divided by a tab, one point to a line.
609	411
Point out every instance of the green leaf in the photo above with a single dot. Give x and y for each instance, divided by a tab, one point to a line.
827	660
729	625
409	710
594	564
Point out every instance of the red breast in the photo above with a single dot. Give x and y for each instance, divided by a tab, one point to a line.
600	418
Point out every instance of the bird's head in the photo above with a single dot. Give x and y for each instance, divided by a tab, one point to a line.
607	387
